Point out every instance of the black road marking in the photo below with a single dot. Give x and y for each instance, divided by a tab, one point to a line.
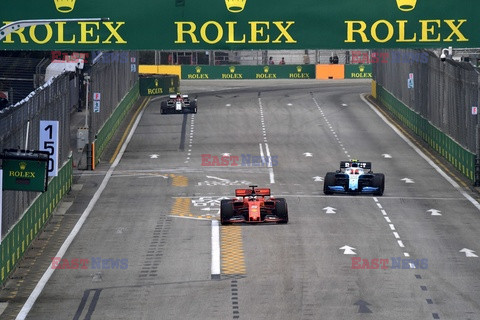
184	128
91	307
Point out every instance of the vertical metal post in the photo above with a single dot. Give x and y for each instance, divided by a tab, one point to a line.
87	78
476	183
26	136
477	156
1	204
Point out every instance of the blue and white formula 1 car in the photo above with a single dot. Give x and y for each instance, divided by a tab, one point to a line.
353	177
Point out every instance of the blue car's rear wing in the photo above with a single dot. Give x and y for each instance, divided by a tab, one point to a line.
355	164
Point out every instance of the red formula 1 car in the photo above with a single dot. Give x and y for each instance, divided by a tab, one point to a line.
253	206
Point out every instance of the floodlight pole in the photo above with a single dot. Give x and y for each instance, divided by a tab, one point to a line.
16	25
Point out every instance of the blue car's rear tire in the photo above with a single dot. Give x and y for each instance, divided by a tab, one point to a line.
329	181
378	182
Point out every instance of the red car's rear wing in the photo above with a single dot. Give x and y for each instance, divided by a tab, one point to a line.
248	192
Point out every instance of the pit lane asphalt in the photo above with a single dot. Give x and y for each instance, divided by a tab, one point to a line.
150	214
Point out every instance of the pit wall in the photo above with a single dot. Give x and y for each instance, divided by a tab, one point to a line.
109	128
238	72
459	157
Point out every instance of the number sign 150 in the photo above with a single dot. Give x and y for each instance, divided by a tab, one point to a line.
49	143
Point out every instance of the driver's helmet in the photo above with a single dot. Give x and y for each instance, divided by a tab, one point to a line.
179	96
353	171
252	197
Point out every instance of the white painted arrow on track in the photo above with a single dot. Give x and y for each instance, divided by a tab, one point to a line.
307	154
408	180
348	249
154	156
386	156
329	210
317	178
469	253
435	212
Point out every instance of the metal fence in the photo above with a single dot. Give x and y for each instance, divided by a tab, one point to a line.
111	74
441	92
49	102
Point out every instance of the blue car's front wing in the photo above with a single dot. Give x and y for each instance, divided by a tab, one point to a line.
341	189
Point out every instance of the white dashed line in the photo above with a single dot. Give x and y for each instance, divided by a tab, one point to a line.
400	243
330	127
387	219
392	226
265	140
396	235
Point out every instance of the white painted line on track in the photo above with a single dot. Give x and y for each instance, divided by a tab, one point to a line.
270	168
215	250
262	155
63	249
189	218
406	254
423	155
400	243
264	132
392	226
397	236
331	128
387	219
268	162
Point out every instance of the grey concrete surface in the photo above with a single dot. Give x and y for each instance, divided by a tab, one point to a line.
293	271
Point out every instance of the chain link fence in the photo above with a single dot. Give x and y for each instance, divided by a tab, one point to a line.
112	75
441	92
52	101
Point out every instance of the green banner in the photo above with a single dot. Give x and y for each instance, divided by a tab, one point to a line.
158	85
241	24
25	172
358	71
249	72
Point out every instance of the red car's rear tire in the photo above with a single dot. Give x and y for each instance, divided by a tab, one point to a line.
226	211
281	210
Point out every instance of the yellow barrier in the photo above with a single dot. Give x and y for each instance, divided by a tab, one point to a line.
160	69
330	71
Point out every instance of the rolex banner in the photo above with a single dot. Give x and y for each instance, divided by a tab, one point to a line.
358	71
155	85
25	170
239	24
249	72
